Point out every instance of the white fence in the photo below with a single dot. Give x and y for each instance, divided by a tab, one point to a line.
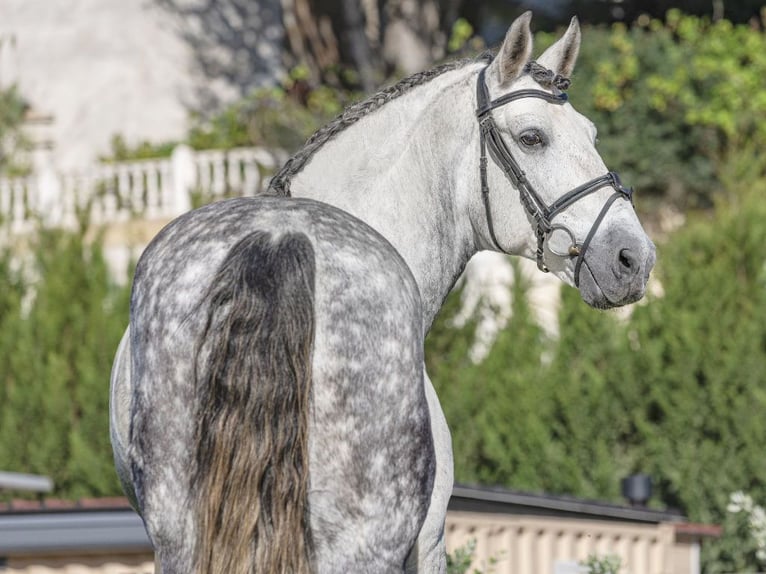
147	189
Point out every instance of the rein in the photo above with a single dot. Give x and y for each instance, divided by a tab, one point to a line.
541	213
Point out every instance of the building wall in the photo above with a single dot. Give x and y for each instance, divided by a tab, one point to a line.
535	545
99	68
103	67
137	563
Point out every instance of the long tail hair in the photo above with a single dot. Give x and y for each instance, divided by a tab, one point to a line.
253	376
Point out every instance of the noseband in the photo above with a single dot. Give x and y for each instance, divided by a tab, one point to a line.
541	213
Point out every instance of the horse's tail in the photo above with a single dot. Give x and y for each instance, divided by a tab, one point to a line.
253	376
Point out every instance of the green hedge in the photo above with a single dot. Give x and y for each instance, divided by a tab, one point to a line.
61	318
14	143
672	100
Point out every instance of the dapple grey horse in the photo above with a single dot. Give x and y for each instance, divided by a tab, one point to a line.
270	411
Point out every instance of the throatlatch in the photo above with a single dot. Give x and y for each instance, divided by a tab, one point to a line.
541	213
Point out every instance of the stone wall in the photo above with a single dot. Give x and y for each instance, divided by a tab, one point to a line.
98	68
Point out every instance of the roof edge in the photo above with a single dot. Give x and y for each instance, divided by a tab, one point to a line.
463	495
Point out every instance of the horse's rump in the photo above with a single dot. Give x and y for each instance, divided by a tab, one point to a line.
275	345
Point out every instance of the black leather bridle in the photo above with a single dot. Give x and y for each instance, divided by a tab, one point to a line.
541	213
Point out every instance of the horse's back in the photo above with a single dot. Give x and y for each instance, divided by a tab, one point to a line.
369	443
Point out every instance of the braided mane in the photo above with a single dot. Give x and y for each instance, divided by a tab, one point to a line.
545	77
280	183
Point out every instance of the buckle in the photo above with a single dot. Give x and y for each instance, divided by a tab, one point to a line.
486	124
620	188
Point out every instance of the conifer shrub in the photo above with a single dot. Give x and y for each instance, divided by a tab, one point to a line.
61	318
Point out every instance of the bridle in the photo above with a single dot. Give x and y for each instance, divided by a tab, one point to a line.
541	213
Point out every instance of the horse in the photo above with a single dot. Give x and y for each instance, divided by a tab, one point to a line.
270	409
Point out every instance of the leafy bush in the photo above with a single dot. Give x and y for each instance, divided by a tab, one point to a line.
282	117
14	144
122	151
459	561
672	100
743	543
498	408
602	564
61	318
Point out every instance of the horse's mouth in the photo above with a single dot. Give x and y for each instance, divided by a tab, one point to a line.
608	293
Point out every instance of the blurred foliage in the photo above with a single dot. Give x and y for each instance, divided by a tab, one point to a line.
283	117
269	117
122	151
672	100
14	144
604	11
602	564
462	33
459	561
742	546
61	318
491	15
489	450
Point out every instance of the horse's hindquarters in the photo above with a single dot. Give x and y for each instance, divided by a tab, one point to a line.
370	446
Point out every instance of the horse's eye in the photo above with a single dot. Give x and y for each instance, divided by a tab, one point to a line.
531	139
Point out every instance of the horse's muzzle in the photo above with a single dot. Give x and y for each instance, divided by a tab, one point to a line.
615	272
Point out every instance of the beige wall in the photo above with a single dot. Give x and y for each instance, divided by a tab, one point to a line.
142	563
527	545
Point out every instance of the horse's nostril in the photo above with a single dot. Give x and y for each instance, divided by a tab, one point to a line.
626	260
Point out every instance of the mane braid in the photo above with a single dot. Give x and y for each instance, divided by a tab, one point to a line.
280	183
545	77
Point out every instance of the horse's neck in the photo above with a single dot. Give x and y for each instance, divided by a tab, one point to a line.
405	171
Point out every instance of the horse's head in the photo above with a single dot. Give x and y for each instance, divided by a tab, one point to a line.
546	191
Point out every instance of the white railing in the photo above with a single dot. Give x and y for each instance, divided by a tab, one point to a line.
146	189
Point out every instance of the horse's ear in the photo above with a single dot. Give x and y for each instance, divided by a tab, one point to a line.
561	57
515	51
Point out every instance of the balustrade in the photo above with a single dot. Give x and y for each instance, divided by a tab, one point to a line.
152	189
